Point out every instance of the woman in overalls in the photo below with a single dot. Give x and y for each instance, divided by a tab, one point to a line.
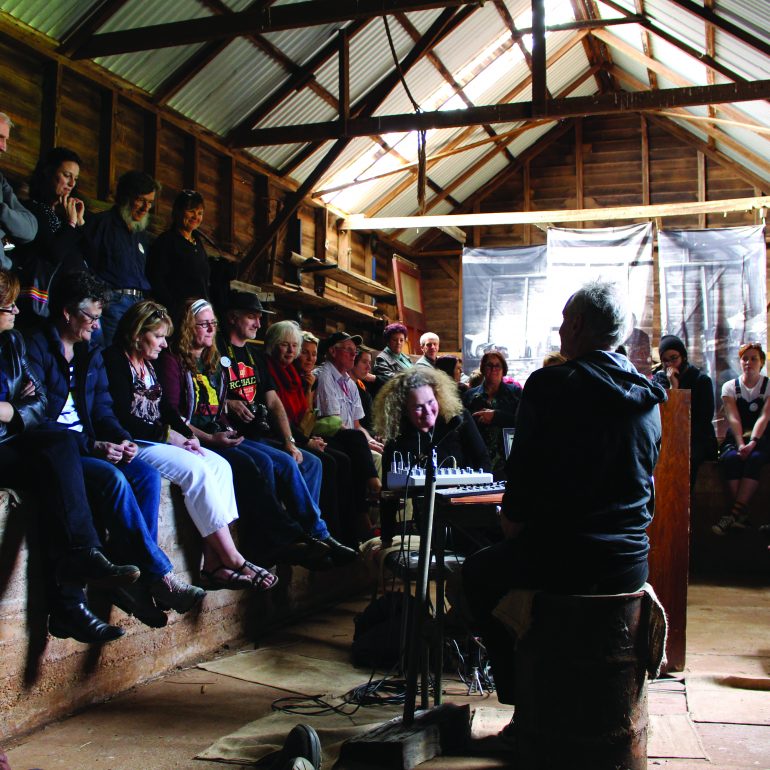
745	449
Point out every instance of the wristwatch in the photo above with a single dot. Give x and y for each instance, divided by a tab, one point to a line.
291	440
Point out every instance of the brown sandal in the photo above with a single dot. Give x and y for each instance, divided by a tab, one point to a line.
263	580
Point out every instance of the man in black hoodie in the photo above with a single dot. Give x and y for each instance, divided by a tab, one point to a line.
579	495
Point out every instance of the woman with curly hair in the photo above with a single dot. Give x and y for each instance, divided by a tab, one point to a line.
392	360
420	409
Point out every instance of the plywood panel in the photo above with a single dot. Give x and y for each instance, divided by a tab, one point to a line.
129	138
214	188
171	170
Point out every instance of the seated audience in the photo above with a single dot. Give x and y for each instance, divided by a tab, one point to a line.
337	398
117	247
29	453
282	344
125	491
745	448
168	444
305	364
194	385
574	520
59	245
392	359
254	408
453	366
676	372
494	404
178	265
557	359
429	343
362	374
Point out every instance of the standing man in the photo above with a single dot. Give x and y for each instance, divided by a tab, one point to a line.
429	343
579	495
117	247
16	222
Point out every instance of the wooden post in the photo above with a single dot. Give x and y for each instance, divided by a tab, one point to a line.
670	529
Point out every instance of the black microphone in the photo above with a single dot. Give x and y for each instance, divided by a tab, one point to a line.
451	427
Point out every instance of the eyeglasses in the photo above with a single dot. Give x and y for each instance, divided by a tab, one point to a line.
189	193
207	324
347	349
157	314
672	359
92	319
11	309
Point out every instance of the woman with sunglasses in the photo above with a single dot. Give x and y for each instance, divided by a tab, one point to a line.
745	449
168	445
493	405
124	490
178	266
675	373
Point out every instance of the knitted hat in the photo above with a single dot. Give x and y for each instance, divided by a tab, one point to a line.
671	342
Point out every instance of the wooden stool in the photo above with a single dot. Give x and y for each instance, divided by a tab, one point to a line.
581	684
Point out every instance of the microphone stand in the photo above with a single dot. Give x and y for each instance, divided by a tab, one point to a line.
418	656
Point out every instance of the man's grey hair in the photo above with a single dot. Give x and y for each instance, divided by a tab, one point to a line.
5	119
427	336
604	312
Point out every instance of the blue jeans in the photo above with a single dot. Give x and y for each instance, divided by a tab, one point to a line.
111	314
300	484
125	499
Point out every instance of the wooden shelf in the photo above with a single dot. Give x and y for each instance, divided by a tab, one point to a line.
354	280
341	306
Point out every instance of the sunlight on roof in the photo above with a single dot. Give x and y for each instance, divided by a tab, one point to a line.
489	66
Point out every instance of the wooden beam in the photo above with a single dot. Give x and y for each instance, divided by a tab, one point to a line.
107	123
645	135
309	13
344	76
151	143
445	23
568	215
49	118
539	73
597	104
98	15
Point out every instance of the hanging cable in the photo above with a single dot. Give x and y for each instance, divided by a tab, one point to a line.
422	171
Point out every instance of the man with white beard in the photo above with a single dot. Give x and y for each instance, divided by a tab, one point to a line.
118	245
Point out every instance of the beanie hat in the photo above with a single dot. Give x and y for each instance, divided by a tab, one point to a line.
671	342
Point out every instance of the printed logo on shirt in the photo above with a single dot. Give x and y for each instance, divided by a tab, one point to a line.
243	381
207	399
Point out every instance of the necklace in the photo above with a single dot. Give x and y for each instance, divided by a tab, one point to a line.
141	372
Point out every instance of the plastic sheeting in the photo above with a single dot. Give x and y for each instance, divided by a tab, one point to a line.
714	294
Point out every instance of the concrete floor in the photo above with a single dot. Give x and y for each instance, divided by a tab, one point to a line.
164	724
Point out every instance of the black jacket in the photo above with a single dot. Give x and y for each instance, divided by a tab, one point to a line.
28	411
92	396
580	469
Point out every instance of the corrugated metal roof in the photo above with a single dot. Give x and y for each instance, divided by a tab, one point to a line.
224	92
51	18
479	54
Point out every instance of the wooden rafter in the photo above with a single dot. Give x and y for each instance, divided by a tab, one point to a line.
96	17
296	82
307	13
445	22
599	104
433	58
449	20
481	162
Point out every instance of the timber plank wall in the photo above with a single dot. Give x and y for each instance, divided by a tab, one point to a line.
600	161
